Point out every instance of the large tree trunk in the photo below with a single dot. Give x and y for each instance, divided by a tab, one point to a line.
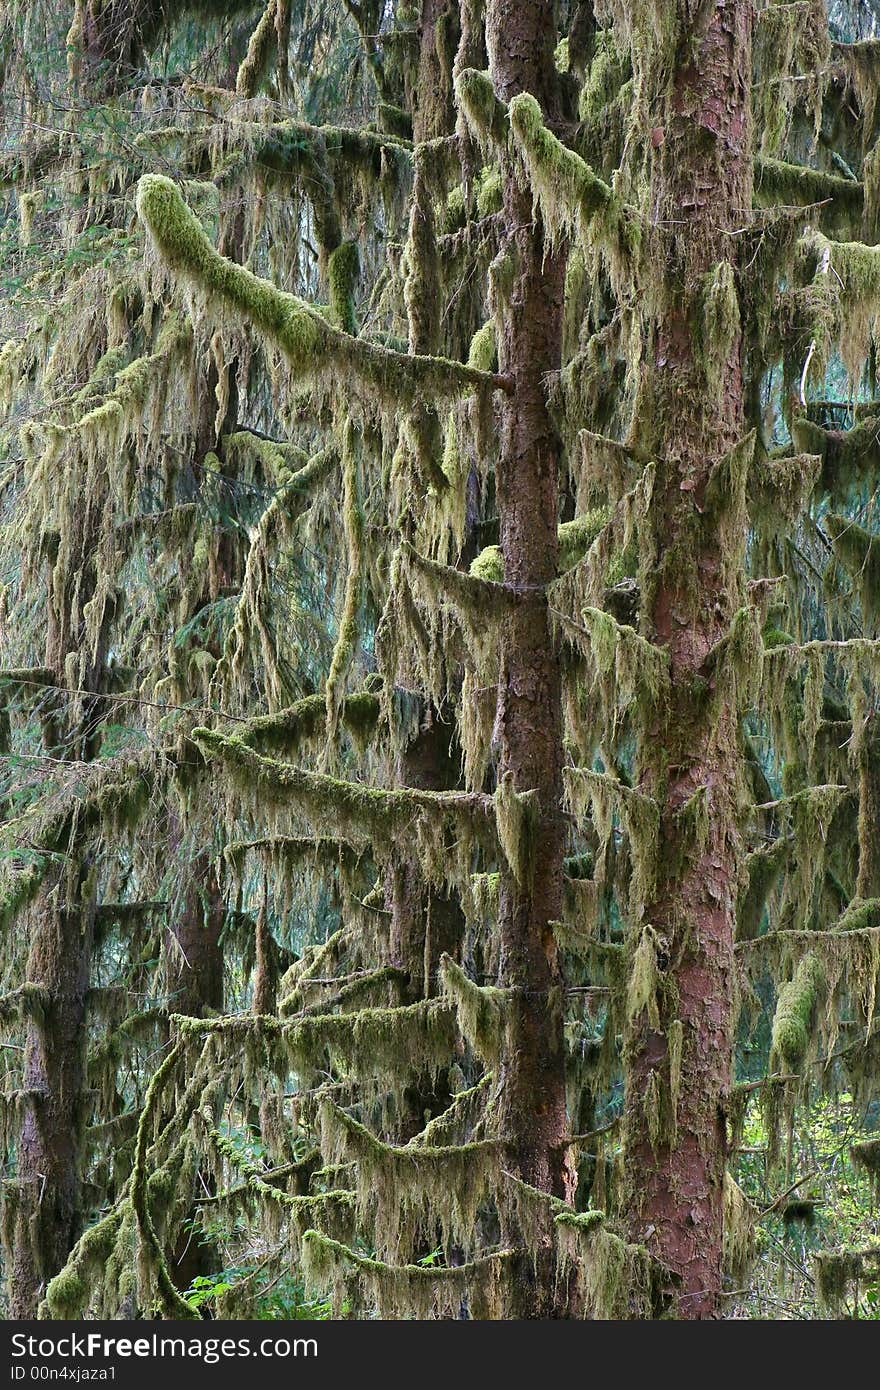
679	1064
521	41
432	103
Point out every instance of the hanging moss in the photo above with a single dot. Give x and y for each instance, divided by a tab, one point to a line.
403	1190
605	796
376	1043
850	458
262	42
866	1155
740	1245
570	195
516	816
486	115
172	1301
410	1290
796	184
353	524
28	1001
719	321
645	980
575	539
327	803
763	870
483	1010
293	728
859	553
314	349
839	1271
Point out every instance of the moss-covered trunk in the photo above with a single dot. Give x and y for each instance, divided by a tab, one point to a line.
195	976
47	1195
433	110
679	1048
520	40
869	819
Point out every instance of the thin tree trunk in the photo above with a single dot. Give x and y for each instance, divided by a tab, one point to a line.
521	41
869	819
433	109
48	1180
47	1198
679	1064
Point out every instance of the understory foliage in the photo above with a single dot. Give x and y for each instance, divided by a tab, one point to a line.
261	844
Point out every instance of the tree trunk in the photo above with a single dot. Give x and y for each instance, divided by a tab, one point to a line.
424	923
48	1214
679	1063
521	41
47	1194
869	818
432	102
195	972
195	987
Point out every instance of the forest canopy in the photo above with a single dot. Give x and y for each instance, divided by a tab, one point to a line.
439	659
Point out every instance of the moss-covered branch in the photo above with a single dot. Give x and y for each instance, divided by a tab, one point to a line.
336	807
316	351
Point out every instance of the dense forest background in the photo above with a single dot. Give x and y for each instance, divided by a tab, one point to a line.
439	660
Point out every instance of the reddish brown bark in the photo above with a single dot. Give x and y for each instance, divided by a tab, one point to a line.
701	185
195	969
520	41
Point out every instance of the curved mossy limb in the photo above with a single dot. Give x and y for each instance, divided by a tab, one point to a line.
796	1011
315	350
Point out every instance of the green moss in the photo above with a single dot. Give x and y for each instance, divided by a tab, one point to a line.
719	323
315	350
850	459
489	565
795	1013
861	914
490	191
343	271
484	348
262	42
486	115
842	200
764	868
567	190
66	1294
859	553
776	637
838	1271
483	1010
575	539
